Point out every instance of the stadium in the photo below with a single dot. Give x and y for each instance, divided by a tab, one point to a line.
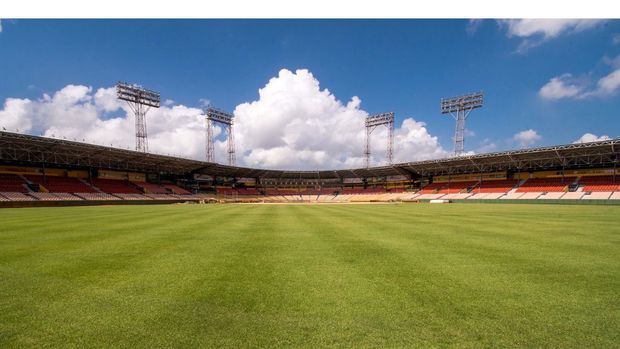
39	171
238	256
107	247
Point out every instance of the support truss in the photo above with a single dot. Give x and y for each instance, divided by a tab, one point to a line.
140	100
372	122
215	116
460	107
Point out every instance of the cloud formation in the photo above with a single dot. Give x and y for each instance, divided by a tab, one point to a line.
473	25
77	112
567	86
534	32
527	138
589	137
563	86
294	124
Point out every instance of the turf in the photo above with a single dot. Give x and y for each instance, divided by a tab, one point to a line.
463	275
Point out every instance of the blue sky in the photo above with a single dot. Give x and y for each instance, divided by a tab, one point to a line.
401	65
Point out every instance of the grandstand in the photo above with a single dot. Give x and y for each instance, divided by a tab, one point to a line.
38	169
114	186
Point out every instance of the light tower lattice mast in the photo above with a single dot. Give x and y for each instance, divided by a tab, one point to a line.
460	107
371	124
217	116
140	100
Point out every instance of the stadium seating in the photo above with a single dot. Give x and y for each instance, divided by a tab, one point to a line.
600	183
97	196
597	195
615	196
362	190
55	196
225	191
129	196
545	184
432	188
67	196
151	188
274	191
493	196
162	196
247	191
12	183
478	196
529	195
429	196
447	188
204	196
572	195
17	196
486	196
115	186
495	186
176	189
457	187
511	196
456	196
551	195
61	184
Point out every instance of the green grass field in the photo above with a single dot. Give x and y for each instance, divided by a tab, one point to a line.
463	275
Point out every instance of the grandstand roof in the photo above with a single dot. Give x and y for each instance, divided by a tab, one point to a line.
22	149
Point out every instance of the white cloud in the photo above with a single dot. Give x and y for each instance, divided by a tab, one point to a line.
487	146
473	25
613	62
566	86
204	102
589	137
78	112
534	32
294	124
609	84
549	28
615	39
527	138
559	87
0	26
15	115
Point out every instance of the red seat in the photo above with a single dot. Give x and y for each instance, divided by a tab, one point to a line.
176	189
496	186
152	188
600	183
118	186
12	183
61	184
546	184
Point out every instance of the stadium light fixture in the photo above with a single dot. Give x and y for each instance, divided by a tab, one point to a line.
215	116
460	107
140	100
373	122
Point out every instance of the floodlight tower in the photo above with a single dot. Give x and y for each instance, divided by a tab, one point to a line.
217	116
140	100
372	122
460	107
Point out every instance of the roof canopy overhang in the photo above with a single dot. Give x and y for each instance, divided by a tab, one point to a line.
33	150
